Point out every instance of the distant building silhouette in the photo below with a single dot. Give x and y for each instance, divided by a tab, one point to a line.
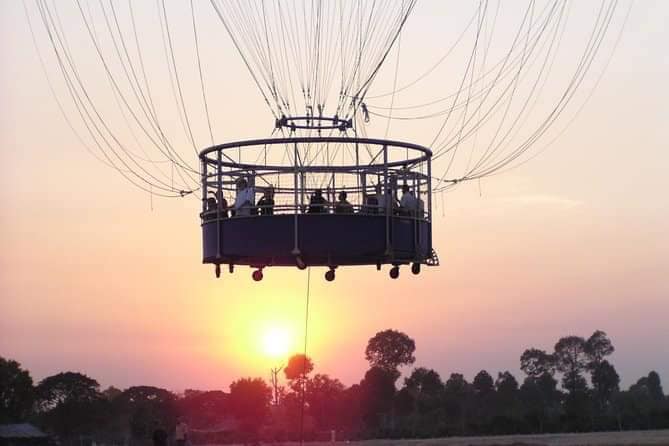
23	434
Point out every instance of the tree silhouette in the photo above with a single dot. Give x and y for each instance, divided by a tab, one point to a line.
483	388
483	384
597	347
323	396
506	385
249	402
571	359
16	392
204	408
390	349
420	402
426	388
297	370
507	403
70	403
654	386
298	365
111	392
68	387
350	418
424	381
457	398
377	390
147	408
535	362
605	384
541	399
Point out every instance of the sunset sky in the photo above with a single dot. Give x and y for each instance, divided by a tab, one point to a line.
97	277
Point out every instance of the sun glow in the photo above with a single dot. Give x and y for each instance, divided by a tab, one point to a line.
258	326
277	341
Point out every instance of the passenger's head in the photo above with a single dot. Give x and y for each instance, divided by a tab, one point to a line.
242	183
342	196
211	203
405	189
318	193
269	192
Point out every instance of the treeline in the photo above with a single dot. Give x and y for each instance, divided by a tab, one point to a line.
573	388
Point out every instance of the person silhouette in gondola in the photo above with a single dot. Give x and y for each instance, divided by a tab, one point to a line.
409	203
317	203
342	206
244	199
266	203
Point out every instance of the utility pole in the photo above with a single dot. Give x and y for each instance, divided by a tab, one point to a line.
275	383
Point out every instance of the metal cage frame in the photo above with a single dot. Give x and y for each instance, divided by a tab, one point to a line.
407	235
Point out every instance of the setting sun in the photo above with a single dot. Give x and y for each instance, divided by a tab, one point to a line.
276	341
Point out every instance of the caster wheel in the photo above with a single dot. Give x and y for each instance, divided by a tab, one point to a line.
394	272
415	268
378	266
217	270
300	263
257	275
231	268
330	275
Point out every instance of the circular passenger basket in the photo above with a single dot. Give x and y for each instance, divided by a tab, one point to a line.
302	205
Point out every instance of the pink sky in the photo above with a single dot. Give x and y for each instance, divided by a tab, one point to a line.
92	279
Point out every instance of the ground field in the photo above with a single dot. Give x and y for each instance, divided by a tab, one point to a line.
632	438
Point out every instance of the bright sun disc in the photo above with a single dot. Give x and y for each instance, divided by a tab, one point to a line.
276	342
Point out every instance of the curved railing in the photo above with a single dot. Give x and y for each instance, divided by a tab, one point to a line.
293	169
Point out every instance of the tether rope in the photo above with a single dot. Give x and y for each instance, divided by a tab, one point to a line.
304	358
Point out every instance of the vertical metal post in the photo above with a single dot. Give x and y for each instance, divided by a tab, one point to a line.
296	248
203	178
219	198
334	190
415	220
387	198
429	204
357	157
416	188
303	186
417	216
363	176
429	188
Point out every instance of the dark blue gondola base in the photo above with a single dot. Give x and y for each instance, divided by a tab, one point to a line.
323	240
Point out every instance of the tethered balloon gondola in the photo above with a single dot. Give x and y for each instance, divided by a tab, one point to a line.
330	193
294	231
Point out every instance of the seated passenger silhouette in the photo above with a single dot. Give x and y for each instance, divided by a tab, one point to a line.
342	206
244	199
210	209
409	203
266	203
317	204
